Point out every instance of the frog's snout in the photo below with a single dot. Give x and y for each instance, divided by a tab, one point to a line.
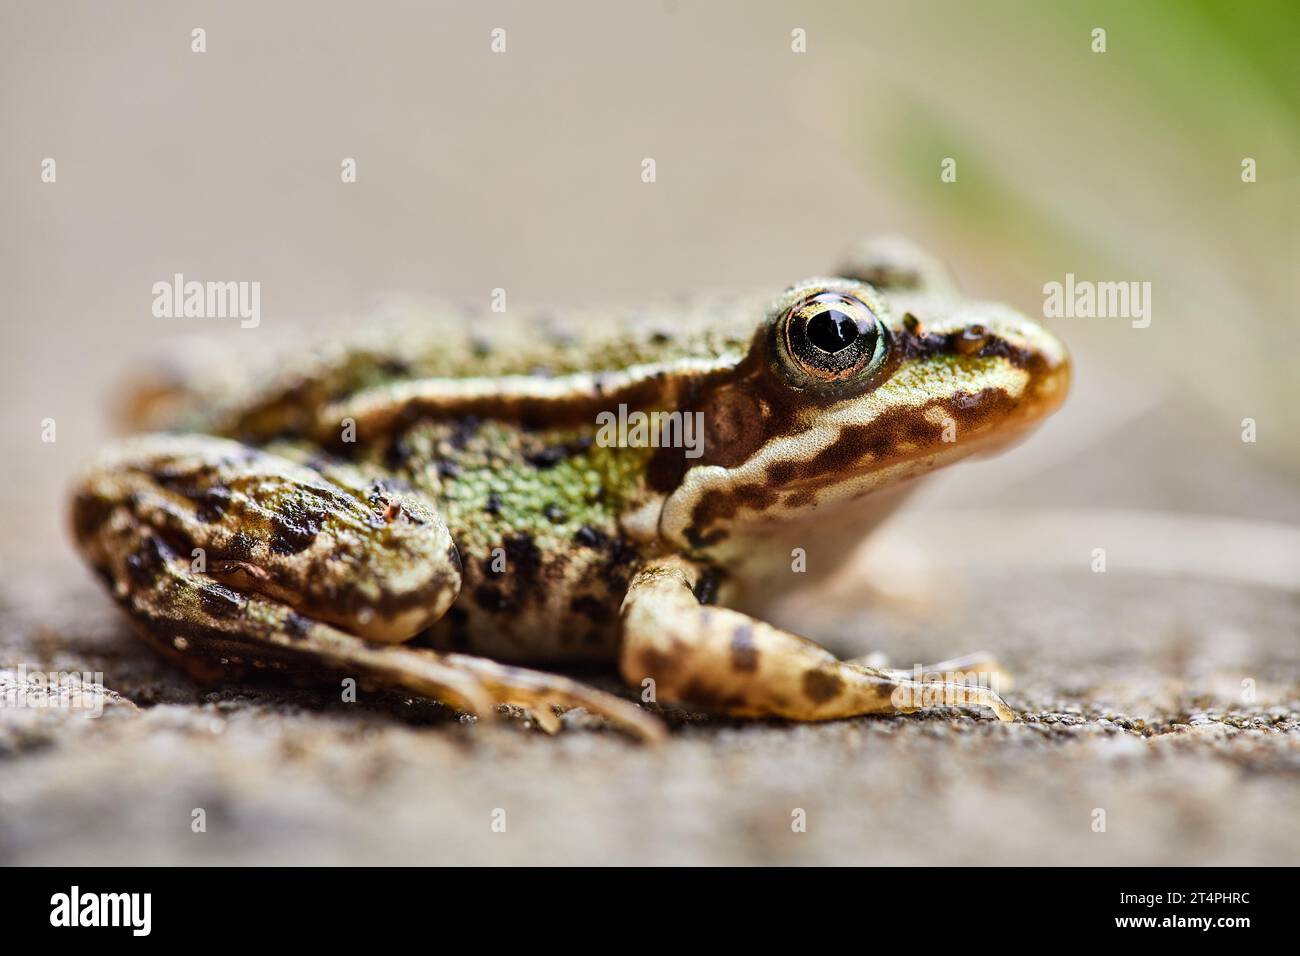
1048	367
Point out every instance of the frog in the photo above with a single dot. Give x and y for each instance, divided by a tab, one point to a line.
431	502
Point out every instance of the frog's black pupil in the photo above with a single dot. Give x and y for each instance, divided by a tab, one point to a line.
832	330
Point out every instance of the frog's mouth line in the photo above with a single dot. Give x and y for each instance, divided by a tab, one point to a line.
708	503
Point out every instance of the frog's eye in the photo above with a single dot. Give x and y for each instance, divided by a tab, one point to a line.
830	337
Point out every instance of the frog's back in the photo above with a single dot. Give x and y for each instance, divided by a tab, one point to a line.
222	386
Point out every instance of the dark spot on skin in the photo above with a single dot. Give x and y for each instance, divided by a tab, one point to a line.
744	652
210	498
295	528
589	537
781	472
660	338
547	457
706	587
240	547
800	499
973	409
397	454
554	514
589	606
457	624
523	557
146	564
296	626
218	601
703	695
618	568
666	468
715	506
465	430
820	686
493	504
491	598
656	664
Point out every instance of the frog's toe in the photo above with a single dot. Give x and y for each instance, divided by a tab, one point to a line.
540	693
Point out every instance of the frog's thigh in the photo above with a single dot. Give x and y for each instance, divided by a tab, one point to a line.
733	664
339	548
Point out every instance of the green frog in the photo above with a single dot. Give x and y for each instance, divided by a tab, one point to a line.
436	499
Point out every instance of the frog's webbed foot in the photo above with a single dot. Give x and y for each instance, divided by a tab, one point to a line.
228	557
891	263
730	663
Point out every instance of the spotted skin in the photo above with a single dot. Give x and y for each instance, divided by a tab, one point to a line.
430	503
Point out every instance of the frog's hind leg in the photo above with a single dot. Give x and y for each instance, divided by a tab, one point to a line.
229	558
730	663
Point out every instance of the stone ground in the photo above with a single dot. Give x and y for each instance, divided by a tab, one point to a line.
1132	695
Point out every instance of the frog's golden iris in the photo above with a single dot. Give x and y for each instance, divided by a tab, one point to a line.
830	337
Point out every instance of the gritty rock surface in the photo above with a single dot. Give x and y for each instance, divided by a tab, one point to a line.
1136	718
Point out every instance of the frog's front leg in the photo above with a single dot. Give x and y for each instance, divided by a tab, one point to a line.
733	664
229	557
